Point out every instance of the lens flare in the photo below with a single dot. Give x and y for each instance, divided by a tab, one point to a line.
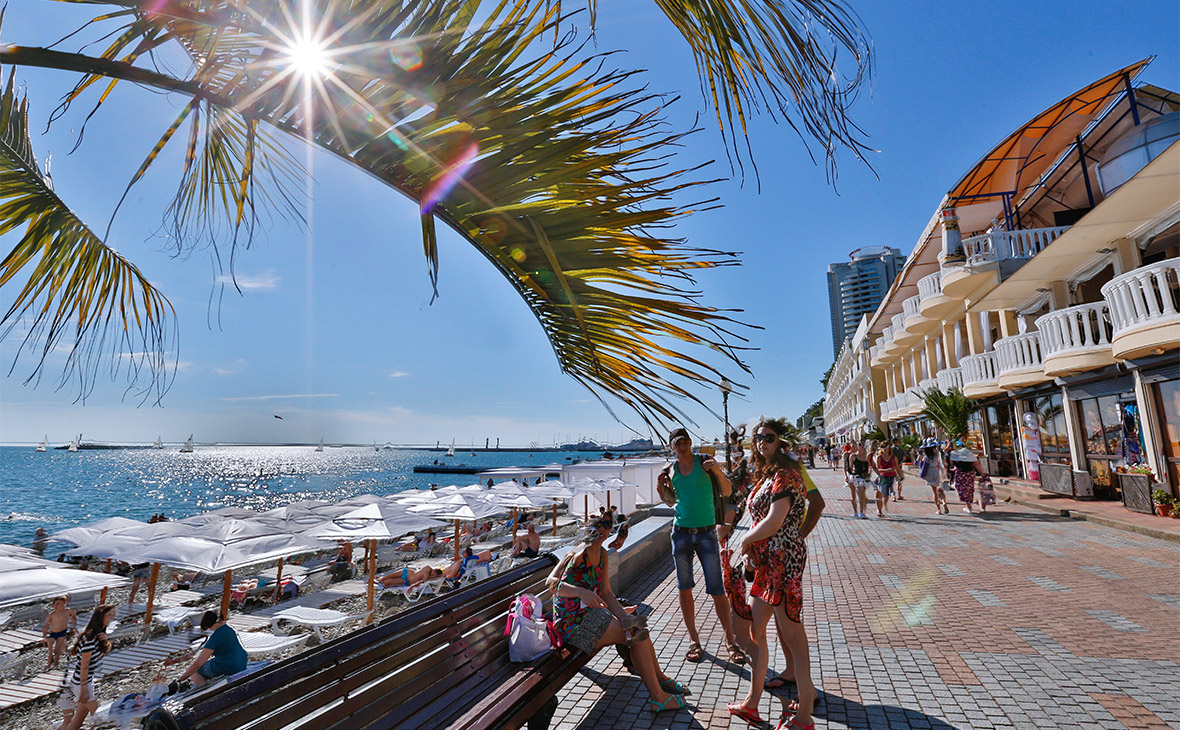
450	177
408	56
308	57
518	254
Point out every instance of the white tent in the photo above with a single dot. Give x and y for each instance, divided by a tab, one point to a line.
459	507
86	533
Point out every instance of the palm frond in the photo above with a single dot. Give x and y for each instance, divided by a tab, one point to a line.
951	410
78	296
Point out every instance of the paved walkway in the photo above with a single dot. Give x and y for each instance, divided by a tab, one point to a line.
1015	618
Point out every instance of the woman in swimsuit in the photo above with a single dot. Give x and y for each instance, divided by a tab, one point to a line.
410	577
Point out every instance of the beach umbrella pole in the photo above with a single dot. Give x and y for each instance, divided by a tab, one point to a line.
514	521
102	597
278	581
371	562
225	586
555	518
456	539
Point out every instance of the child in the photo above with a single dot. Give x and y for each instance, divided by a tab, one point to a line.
930	472
61	622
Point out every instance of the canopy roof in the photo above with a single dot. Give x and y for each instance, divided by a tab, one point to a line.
24	580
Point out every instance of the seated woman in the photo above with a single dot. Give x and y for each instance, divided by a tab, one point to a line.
589	616
410	577
460	566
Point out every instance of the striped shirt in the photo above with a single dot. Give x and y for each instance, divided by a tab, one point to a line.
92	647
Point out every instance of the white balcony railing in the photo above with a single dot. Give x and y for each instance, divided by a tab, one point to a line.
886	336
910	308
1075	329
1145	296
926	385
1019	353
949	378
930	286
979	368
999	245
898	322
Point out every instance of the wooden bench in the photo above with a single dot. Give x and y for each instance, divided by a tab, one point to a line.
443	664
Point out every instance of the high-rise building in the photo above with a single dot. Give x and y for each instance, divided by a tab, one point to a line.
857	286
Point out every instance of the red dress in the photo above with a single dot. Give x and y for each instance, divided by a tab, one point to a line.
779	560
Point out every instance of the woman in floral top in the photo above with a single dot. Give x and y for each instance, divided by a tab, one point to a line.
785	505
589	617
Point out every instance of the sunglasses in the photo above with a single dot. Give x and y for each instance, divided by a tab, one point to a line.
766	438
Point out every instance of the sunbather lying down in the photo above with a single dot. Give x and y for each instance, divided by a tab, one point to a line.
410	576
469	558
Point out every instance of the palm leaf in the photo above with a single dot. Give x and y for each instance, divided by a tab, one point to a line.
556	168
78	294
951	410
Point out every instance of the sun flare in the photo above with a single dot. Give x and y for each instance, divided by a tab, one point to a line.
308	57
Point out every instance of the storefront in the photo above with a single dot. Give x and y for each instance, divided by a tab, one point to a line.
1110	427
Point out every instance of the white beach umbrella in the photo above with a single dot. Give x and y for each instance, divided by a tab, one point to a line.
31	581
222	513
553	489
458	507
16	551
86	533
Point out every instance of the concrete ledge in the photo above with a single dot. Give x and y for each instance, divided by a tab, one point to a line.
648	542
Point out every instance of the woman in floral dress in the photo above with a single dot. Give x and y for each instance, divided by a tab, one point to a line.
785	505
589	617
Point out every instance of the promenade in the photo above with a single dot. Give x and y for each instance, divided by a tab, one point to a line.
1016	618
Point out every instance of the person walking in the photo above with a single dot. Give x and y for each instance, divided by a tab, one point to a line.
78	698
785	505
697	487
899	455
589	617
964	468
884	463
931	472
856	469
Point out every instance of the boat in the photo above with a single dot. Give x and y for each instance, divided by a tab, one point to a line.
188	445
451	451
376	447
320	448
43	446
158	443
75	444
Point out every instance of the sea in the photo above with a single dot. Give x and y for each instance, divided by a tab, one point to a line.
58	489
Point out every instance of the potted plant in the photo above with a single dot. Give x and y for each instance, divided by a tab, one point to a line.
1163	502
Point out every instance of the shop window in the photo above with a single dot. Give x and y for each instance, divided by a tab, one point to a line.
1168	399
1000	429
975	432
1054	437
1112	424
1092	427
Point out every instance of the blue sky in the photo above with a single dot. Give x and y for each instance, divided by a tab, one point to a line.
335	331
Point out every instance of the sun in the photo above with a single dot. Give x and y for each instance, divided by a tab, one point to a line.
308	57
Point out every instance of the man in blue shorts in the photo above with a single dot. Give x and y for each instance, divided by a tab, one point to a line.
687	484
222	653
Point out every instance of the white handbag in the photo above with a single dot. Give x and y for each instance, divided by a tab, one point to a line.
528	631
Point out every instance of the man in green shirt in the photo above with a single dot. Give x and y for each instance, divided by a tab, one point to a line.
687	483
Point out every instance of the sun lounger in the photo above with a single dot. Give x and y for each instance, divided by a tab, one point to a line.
18	639
416	592
263	643
316	618
174	616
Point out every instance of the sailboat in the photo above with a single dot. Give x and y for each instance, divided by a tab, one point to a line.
188	445
75	444
158	443
451	451
320	448
43	446
376	447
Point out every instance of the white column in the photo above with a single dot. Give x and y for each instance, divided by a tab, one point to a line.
1077	449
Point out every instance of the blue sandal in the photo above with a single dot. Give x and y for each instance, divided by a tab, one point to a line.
676	700
671	686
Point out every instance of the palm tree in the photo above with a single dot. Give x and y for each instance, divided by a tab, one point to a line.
558	169
951	411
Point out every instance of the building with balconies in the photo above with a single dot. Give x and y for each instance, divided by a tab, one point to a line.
856	287
1046	286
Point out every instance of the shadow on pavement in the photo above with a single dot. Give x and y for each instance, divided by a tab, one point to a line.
840	712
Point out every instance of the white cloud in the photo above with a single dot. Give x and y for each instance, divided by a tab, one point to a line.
266	281
236	367
399	374
279	397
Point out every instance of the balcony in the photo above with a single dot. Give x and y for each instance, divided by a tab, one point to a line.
916	323
993	257
1076	339
1145	309
932	303
903	337
1019	361
890	349
979	375
950	378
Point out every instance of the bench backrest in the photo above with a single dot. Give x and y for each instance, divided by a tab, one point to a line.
416	669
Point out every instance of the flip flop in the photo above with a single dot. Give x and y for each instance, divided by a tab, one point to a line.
695	652
737	709
671	686
777	683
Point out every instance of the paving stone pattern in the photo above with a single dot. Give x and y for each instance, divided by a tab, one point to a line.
915	622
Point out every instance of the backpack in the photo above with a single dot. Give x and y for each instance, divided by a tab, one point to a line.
530	635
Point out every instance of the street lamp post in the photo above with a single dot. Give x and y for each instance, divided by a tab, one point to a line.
726	389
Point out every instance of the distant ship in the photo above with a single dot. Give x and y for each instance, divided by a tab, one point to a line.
188	445
158	443
43	446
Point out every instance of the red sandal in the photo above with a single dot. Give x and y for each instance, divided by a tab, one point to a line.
786	723
737	709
